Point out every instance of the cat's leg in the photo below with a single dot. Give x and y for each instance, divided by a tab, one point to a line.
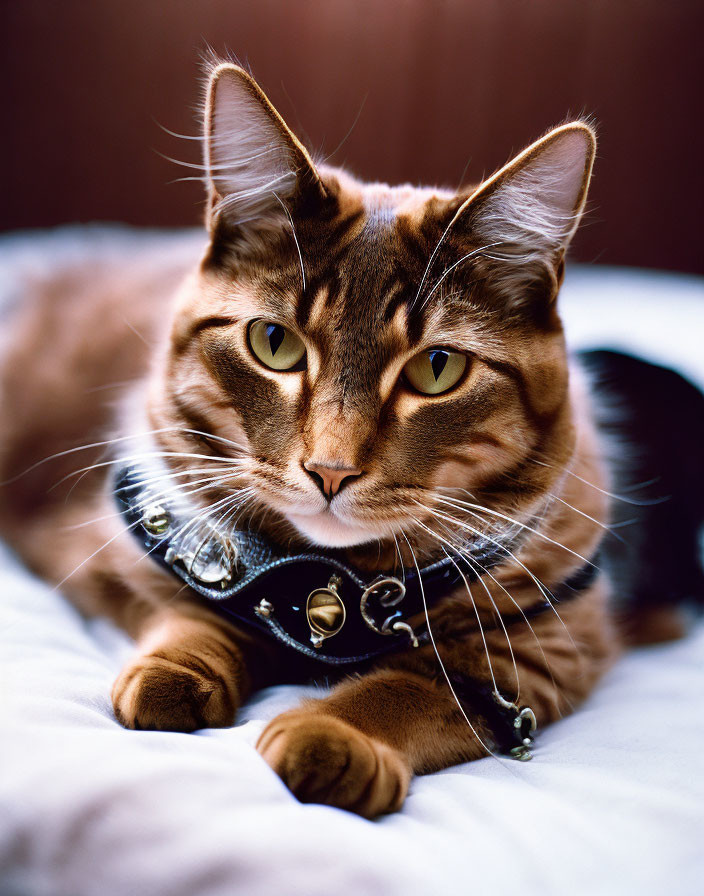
191	669
358	747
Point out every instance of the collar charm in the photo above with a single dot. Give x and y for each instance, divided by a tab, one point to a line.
524	725
386	592
325	611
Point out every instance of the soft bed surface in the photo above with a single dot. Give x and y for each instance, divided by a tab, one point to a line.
611	803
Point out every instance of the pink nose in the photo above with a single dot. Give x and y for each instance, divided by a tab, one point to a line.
329	478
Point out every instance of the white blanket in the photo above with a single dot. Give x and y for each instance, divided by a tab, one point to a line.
611	803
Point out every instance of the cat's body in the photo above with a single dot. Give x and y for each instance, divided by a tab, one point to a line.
369	280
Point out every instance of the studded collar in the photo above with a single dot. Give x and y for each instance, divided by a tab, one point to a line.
320	606
313	602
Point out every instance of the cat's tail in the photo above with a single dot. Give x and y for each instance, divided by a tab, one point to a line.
652	419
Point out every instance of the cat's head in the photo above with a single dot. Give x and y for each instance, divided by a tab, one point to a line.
368	356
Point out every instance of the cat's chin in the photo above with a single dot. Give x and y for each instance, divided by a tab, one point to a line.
327	530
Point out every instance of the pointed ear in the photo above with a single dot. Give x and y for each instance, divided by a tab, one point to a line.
251	156
527	213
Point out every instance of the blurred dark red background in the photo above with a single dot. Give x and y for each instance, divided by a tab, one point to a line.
442	85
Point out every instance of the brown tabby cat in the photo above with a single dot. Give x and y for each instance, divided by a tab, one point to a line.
380	372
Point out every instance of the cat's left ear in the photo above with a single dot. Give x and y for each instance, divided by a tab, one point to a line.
253	160
527	213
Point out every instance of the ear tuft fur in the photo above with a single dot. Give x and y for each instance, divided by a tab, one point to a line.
536	201
527	213
251	156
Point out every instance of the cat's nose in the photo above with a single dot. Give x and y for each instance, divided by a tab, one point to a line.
330	477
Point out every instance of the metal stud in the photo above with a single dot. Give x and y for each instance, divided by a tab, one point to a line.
264	608
209	558
156	520
212	561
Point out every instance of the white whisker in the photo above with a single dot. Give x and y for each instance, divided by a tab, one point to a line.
541	587
465	556
608	494
147	455
475	564
452	267
94	554
295	237
87	447
439	658
464	505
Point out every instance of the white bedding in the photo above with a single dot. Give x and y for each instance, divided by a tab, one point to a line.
611	803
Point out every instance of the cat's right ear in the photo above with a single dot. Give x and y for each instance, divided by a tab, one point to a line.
253	161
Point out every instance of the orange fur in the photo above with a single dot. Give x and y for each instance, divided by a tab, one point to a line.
516	431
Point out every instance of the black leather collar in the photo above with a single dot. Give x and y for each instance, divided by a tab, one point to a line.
313	602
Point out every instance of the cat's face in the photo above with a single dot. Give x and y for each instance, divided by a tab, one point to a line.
366	354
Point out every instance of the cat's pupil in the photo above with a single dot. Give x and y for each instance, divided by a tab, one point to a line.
275	334
438	360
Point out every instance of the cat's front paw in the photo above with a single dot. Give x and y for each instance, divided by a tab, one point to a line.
154	692
324	760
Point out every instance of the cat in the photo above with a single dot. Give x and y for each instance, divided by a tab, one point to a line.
376	376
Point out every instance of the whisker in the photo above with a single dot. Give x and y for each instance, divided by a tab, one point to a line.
461	505
474	564
590	518
452	267
149	499
295	237
94	554
400	559
550	599
87	447
182	491
476	611
625	500
215	438
439	658
433	255
177	474
231	462
481	628
229	518
352	127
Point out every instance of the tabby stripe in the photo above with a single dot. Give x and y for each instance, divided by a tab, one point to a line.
195	419
538	420
198	328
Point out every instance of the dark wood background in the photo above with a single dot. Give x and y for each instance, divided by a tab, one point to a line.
415	90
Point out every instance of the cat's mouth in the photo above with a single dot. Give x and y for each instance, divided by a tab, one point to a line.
326	529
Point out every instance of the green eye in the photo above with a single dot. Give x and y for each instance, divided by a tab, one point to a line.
274	345
435	370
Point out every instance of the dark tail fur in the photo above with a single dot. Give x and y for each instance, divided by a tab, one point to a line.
653	419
